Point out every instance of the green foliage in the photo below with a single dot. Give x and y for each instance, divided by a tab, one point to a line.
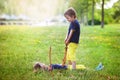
2	5
96	22
108	16
116	14
22	46
84	8
81	6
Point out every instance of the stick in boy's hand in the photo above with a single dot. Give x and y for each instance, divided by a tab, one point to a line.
64	59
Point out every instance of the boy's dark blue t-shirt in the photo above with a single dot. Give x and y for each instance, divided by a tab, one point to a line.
76	34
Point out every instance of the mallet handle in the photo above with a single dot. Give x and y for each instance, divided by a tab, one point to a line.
50	55
64	59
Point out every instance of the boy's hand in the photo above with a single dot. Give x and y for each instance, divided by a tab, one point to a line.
66	42
50	68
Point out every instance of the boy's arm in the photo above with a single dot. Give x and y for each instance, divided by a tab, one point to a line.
69	37
66	37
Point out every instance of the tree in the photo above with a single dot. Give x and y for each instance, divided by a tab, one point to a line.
93	4
81	7
116	8
93	10
85	8
102	16
2	5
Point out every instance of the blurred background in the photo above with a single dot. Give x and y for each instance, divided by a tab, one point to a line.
49	12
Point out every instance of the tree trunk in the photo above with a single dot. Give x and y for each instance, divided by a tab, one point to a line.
93	4
82	18
87	14
102	21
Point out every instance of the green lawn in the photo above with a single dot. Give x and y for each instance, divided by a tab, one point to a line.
22	46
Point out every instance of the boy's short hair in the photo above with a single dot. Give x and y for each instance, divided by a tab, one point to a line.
70	12
39	65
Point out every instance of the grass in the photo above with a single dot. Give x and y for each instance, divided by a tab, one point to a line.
21	47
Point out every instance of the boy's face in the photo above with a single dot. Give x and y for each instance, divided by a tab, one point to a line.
69	18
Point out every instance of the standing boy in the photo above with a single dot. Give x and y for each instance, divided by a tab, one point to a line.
72	38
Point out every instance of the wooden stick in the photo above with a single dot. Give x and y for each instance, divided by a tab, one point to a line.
64	59
50	55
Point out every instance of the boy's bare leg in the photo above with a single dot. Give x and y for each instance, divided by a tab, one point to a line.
73	64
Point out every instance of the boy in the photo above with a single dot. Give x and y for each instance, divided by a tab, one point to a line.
39	65
72	38
42	66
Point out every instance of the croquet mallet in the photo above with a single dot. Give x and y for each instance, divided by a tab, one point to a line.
64	59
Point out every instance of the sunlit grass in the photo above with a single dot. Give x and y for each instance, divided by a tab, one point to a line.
21	46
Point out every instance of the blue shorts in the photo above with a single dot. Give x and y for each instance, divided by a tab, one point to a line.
58	66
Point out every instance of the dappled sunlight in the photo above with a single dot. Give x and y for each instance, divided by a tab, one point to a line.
32	12
38	9
33	9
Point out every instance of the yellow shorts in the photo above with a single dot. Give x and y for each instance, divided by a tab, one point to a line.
71	51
